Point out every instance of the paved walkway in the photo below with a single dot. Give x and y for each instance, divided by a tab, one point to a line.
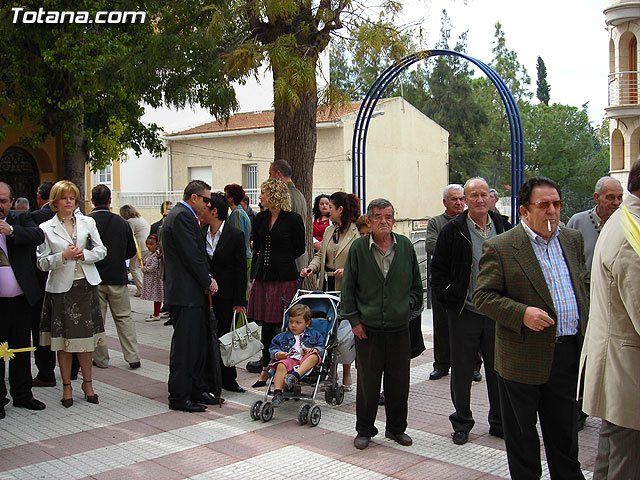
132	434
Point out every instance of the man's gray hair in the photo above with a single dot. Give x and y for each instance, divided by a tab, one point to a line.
380	203
448	188
495	192
471	180
601	181
21	202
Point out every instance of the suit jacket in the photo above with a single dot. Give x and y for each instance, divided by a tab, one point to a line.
57	240
320	258
186	263
117	236
229	265
42	215
26	236
611	352
511	280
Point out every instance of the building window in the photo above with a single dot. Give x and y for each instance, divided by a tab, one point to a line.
251	182
104	175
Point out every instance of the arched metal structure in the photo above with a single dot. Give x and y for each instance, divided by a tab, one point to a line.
389	75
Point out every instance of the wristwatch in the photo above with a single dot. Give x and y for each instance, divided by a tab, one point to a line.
11	228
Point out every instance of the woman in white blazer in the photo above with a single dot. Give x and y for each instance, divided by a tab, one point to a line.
329	261
71	315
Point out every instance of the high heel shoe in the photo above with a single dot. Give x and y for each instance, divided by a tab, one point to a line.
89	398
260	383
66	402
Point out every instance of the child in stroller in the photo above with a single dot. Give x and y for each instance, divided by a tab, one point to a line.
295	351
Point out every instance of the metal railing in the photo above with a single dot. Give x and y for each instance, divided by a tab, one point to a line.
149	199
623	88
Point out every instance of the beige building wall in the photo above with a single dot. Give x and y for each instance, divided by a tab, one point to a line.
623	111
407	158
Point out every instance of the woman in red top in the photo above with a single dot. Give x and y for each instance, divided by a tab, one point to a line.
320	219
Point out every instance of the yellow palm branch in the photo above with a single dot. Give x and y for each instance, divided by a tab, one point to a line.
7	353
631	230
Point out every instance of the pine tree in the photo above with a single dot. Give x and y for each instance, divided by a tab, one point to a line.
543	86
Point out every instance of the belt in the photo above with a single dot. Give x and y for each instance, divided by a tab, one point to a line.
566	338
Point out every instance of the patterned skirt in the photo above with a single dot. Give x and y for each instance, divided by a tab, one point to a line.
267	300
72	321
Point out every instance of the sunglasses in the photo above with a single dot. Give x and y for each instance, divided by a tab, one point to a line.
207	200
544	205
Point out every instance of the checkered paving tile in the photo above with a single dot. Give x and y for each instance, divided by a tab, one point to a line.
132	433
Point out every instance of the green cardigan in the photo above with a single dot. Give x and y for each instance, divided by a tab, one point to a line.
377	302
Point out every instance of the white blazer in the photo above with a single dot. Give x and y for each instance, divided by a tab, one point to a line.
56	241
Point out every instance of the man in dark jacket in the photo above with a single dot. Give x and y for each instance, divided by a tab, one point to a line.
381	286
187	281
454	270
117	236
19	291
45	359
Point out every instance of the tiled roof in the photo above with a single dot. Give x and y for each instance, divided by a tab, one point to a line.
246	121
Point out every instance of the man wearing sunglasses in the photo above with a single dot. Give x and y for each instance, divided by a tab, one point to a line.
187	280
532	282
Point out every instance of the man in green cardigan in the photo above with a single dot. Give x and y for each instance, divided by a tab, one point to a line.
381	284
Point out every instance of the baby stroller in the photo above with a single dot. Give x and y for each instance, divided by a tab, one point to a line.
324	309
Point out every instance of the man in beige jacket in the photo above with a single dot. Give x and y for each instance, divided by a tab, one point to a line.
610	357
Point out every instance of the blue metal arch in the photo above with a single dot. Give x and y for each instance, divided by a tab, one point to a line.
378	88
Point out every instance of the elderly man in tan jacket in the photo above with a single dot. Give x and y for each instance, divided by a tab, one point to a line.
610	357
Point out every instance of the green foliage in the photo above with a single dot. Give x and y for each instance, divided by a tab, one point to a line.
87	80
542	93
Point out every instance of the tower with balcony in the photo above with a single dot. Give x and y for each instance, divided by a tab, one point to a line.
623	110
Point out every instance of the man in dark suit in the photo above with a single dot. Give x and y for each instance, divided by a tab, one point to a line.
187	281
228	261
117	236
19	290
45	359
532	283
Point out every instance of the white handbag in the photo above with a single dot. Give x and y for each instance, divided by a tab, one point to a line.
241	343
346	351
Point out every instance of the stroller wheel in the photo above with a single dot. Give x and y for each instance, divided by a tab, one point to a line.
255	410
339	395
314	416
266	412
303	414
328	395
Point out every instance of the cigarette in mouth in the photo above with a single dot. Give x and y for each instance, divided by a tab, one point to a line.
549	224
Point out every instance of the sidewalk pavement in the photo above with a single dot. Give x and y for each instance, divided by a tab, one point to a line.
132	434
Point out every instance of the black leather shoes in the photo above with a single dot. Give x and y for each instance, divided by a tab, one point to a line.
437	374
496	432
134	365
207	398
188	406
2	412
401	438
36	382
460	438
29	404
477	377
254	367
361	442
234	388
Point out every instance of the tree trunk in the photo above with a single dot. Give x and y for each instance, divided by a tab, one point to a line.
74	161
295	141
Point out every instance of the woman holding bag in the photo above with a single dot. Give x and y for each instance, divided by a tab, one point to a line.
344	210
278	240
228	267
